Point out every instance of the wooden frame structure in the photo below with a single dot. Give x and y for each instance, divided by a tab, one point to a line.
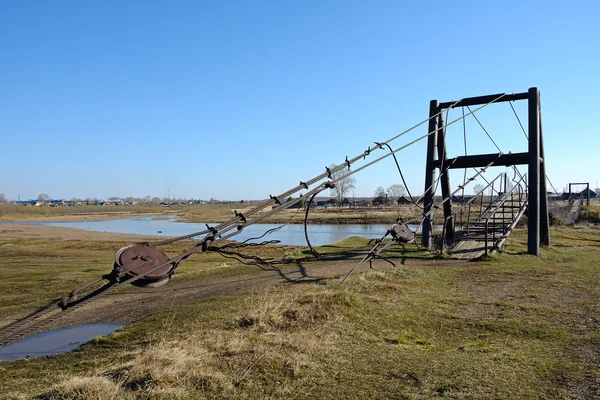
538	223
587	185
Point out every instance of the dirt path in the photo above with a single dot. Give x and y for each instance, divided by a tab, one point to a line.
132	304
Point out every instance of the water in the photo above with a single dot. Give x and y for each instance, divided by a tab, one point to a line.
292	234
55	342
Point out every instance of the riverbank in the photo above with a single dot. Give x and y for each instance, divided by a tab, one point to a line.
20	232
213	213
512	327
16	213
331	215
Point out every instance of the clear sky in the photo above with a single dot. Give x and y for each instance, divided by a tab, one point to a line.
242	99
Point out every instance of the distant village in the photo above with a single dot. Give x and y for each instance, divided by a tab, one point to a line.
380	199
49	202
318	202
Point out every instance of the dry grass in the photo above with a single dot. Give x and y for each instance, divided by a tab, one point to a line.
214	213
279	336
590	214
334	215
11	212
515	327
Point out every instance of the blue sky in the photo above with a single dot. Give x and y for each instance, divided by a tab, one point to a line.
240	99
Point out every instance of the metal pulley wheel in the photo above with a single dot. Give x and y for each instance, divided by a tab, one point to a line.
142	259
402	233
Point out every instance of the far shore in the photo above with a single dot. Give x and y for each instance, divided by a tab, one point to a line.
17	232
76	217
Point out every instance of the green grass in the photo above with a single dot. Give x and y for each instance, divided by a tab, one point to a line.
512	327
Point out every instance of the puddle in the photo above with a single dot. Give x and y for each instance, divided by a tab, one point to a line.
55	342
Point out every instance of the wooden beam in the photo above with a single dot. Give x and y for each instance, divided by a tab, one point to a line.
481	160
474	101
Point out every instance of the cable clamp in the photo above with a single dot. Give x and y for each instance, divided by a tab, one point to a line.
276	199
242	216
329	185
348	163
328	172
213	231
304	184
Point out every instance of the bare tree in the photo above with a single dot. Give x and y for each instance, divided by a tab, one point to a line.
2	198
43	197
395	191
155	201
379	192
477	188
343	185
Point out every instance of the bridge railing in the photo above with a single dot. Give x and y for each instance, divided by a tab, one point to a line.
517	194
462	216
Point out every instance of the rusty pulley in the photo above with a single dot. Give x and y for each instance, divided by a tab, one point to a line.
142	260
402	233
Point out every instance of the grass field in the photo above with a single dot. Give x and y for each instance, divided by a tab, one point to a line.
513	327
334	215
12	212
590	213
213	213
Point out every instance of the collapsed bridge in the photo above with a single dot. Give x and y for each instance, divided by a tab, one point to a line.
529	192
143	264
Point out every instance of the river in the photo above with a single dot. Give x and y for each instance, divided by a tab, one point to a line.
293	234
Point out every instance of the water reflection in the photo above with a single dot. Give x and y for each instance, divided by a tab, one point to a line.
55	342
293	234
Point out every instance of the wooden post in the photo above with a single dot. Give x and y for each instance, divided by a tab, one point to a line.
569	191
533	214
588	194
430	175
445	180
544	216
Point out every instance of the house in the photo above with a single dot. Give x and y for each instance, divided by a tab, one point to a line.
592	194
402	200
379	200
331	203
582	194
346	202
299	204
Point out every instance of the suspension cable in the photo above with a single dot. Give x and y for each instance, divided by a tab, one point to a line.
518	120
493	141
402	176
302	185
527	137
336	179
